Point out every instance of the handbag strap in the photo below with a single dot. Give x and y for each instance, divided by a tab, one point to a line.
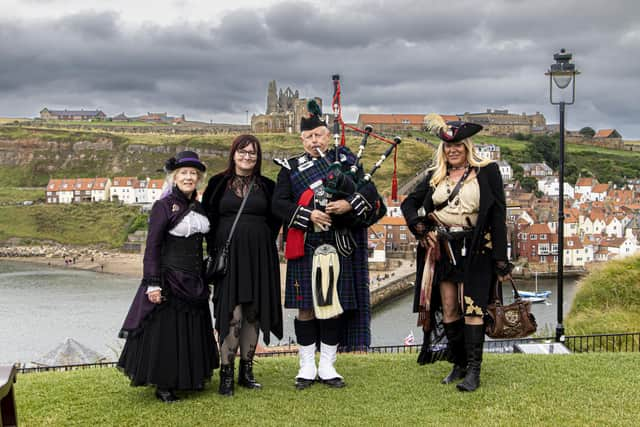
235	221
496	293
455	191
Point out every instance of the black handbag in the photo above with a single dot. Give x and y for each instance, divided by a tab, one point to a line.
217	263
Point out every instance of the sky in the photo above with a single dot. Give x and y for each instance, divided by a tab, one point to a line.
212	60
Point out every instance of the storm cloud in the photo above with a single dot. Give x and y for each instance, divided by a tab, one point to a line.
393	56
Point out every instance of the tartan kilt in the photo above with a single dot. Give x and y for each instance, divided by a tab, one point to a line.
353	287
299	271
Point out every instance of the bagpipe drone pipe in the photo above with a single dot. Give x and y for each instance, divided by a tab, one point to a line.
346	180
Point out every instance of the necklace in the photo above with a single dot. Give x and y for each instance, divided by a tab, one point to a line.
457	168
460	183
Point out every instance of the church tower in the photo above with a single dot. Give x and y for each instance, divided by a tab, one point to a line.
272	98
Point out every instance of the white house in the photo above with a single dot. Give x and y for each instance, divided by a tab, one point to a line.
619	247
376	243
550	186
584	186
66	191
100	190
599	192
123	189
505	170
140	191
488	151
614	227
155	187
574	253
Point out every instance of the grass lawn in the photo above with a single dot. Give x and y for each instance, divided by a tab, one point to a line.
592	389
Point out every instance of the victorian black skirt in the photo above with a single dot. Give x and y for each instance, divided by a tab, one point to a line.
174	346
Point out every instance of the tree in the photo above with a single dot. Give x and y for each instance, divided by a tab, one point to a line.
544	148
587	132
529	184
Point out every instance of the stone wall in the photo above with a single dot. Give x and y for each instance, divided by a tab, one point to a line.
392	290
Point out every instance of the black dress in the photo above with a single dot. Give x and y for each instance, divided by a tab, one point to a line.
253	277
170	345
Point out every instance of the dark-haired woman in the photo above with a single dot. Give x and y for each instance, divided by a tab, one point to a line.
168	330
247	298
464	224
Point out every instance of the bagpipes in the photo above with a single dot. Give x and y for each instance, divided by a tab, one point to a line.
344	180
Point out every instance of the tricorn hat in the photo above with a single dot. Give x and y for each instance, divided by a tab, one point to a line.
314	119
454	131
184	159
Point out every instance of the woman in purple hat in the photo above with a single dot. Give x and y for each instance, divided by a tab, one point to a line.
168	330
458	214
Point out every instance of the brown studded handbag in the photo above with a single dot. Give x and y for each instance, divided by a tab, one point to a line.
509	321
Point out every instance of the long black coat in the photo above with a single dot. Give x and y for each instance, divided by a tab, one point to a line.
489	241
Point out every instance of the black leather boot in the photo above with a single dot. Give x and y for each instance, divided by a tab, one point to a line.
245	375
458	355
226	380
473	341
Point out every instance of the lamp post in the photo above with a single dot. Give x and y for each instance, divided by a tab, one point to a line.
561	74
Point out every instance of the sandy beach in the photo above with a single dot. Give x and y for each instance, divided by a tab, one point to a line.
124	264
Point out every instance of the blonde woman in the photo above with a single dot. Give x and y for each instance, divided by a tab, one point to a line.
463	239
168	330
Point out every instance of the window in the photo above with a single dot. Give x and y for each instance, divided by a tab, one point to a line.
543	237
403	227
390	236
533	236
403	236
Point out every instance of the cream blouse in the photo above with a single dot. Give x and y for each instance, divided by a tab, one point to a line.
465	205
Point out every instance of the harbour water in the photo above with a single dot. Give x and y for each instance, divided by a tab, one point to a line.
41	306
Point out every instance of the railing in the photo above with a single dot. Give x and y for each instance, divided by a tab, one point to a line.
605	343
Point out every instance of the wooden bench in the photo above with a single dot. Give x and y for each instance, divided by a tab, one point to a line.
8	415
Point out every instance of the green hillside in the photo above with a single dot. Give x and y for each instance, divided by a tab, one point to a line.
142	155
81	224
608	299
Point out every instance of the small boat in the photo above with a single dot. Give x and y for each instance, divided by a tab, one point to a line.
535	296
533	300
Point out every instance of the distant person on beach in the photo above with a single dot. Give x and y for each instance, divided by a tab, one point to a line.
326	248
463	247
247	298
168	330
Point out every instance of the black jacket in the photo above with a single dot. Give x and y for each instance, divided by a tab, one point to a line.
489	241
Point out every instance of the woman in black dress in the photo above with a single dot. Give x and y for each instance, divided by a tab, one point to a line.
247	298
464	223
168	330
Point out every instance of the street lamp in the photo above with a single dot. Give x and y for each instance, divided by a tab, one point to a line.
561	75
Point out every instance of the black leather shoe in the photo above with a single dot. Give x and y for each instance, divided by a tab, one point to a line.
166	396
302	383
336	382
457	373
